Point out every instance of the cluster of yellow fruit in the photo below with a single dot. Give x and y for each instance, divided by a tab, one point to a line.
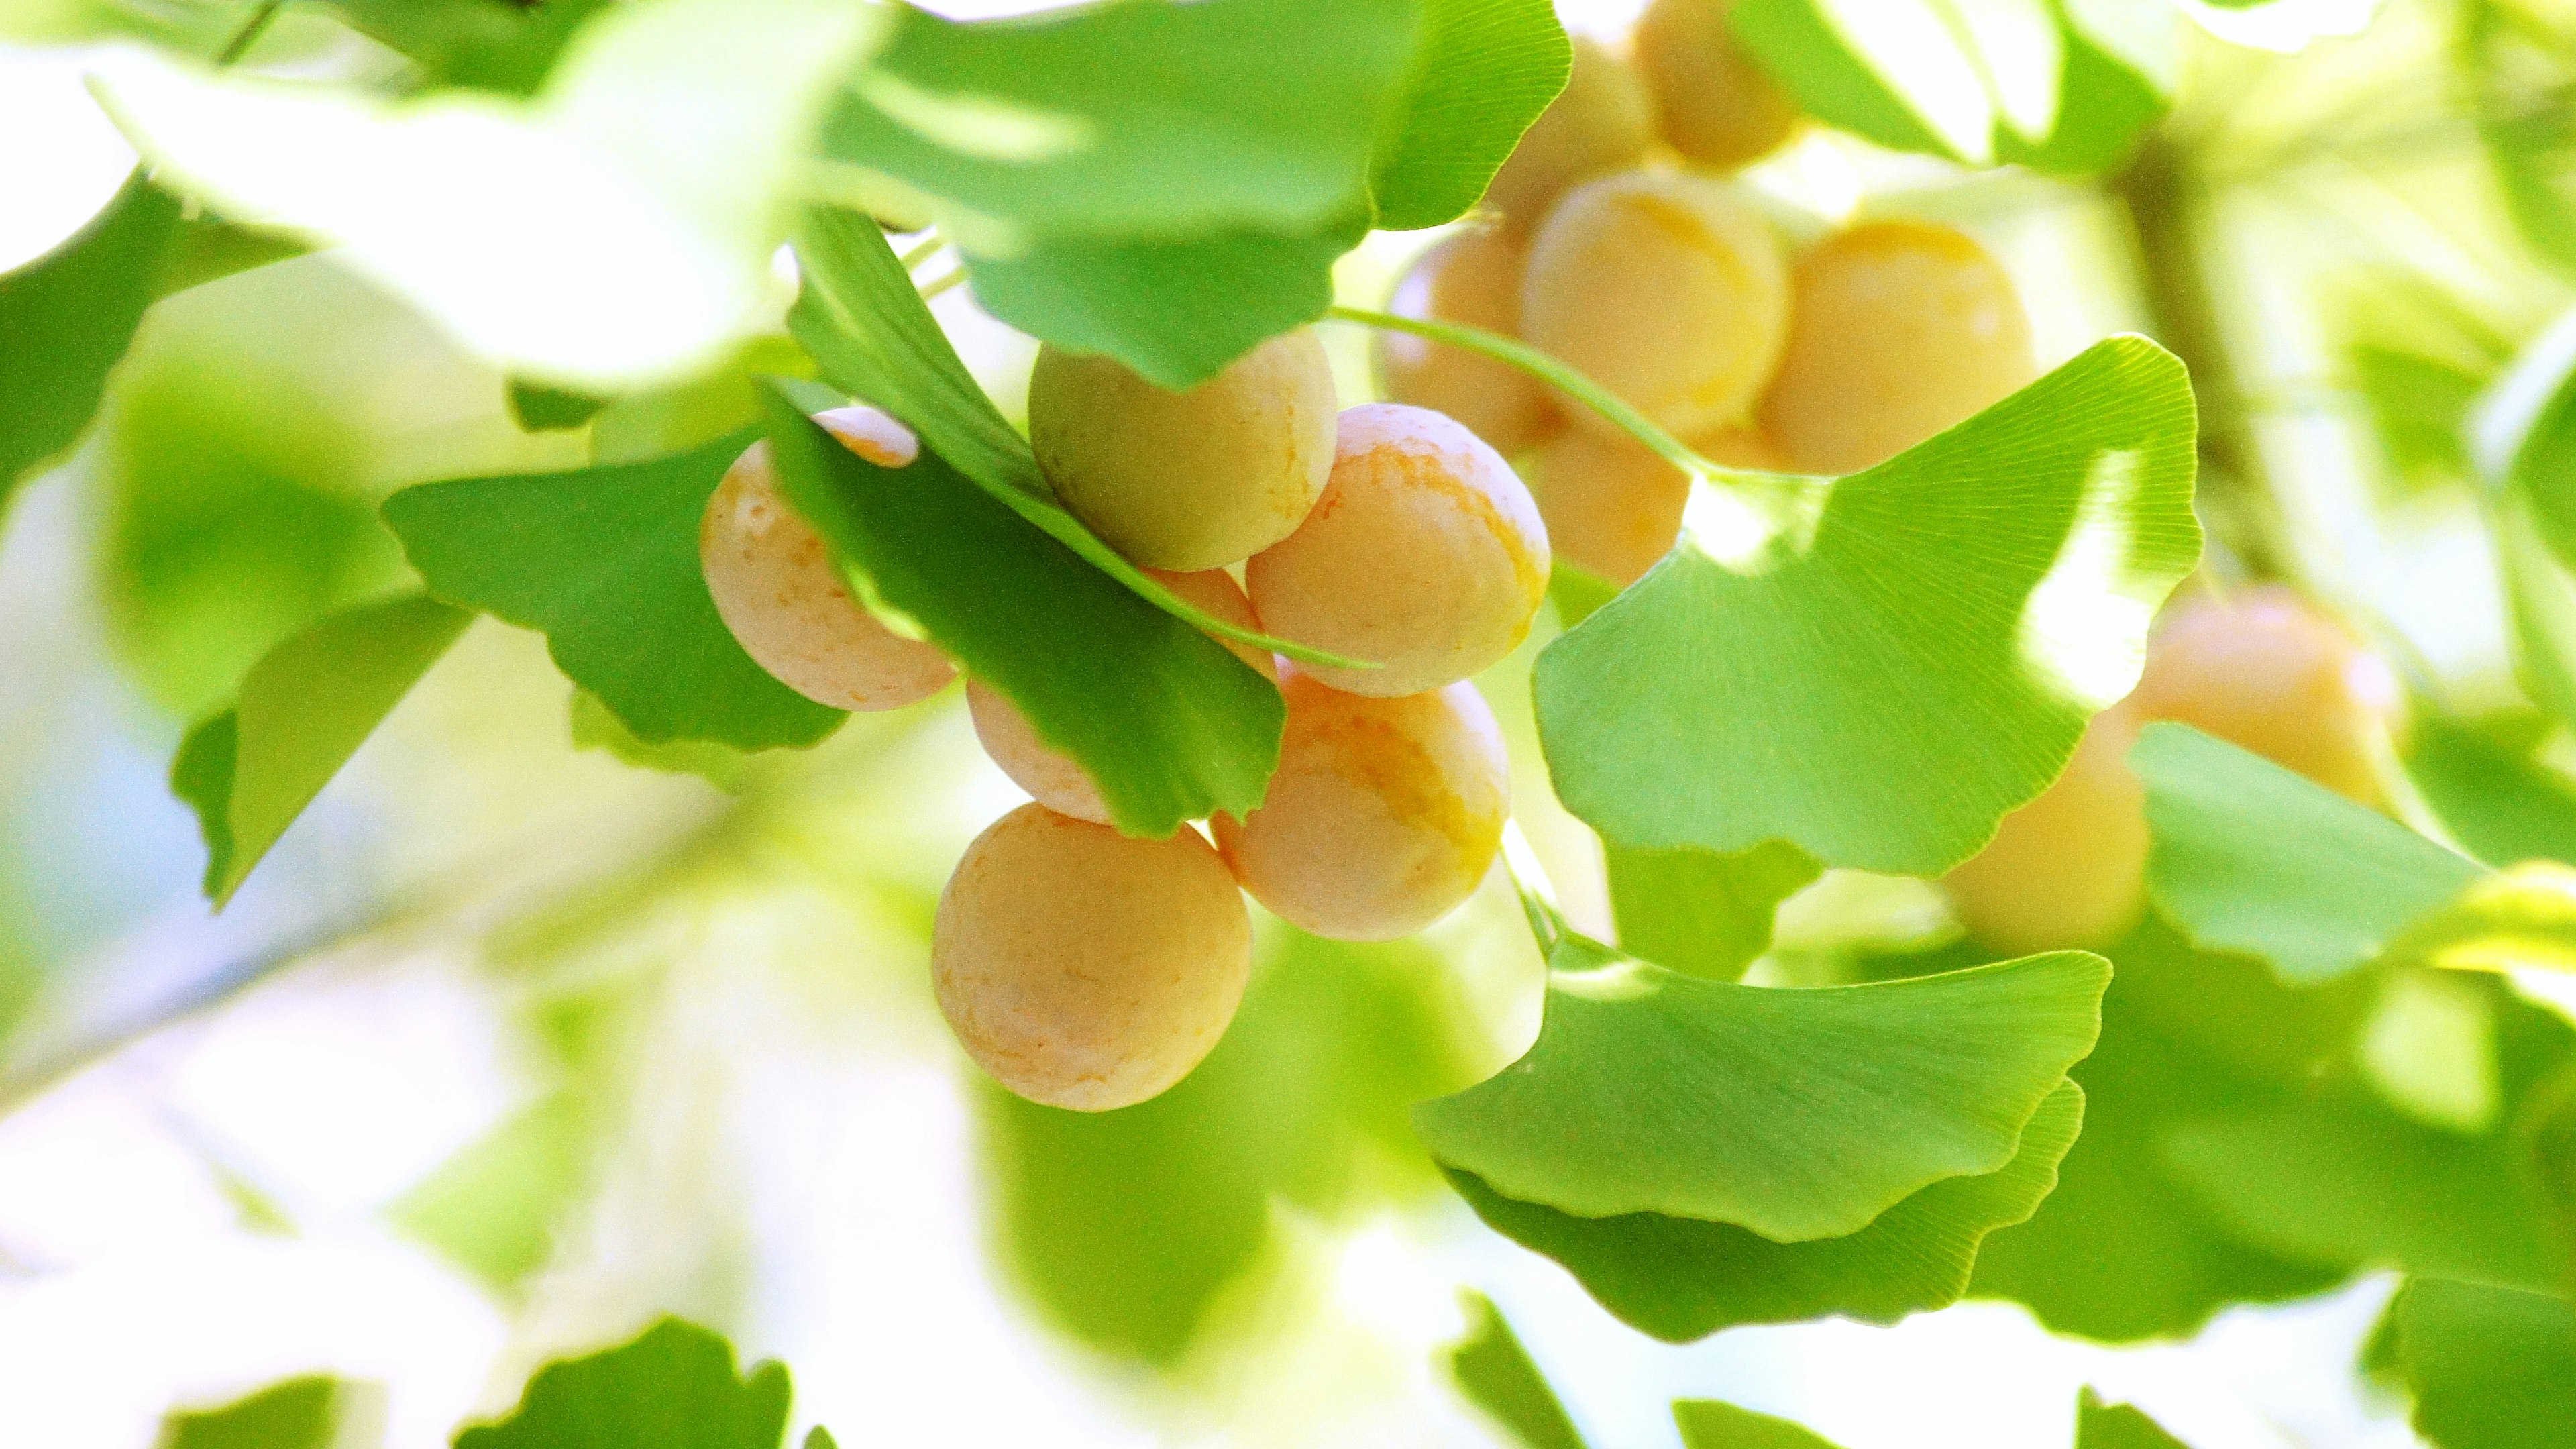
1671	286
1089	969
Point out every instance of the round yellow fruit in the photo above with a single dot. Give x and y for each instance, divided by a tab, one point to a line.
1047	773
1668	290
2069	869
774	582
1084	968
1712	103
1472	278
1384	815
1900	330
1425	556
2266	671
1187	480
1601	122
1613	507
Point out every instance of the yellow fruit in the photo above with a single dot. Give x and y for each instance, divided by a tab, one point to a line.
1668	290
2264	670
1187	480
1613	507
1083	968
1712	103
1048	774
1384	814
774	583
1425	556
1601	122
2069	869
1900	330
1472	278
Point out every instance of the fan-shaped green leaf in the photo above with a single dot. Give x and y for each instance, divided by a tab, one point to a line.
604	562
300	1413
1167	721
2490	1368
1969	602
673	1388
2490	791
1708	1424
1680	1279
1796	1114
2251	857
1699	912
1494	1371
2117	1426
302	712
1482	73
869	332
615	230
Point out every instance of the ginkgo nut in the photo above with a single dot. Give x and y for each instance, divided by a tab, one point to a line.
1472	278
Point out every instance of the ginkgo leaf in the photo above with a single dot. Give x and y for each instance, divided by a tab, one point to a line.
867	329
615	230
1483	71
1795	1114
2489	1367
1166	721
675	1387
1699	912
1495	1373
604	562
1877	668
1708	1424
2251	857
302	712
301	1413
2117	1426
1680	1279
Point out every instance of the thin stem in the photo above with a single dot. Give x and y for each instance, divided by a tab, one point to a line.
1548	370
928	247
1537	891
250	33
944	283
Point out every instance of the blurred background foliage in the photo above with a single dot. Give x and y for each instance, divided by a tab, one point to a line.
530	1032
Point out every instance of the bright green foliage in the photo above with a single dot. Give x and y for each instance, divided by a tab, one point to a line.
2419	407
604	562
1127	1226
297	1414
1699	912
1946	620
66	319
302	712
2117	1426
1798	1114
614	230
2252	857
1681	1279
2517	60
596	727
1495	1372
491	1208
1708	1424
2123	1250
2490	1368
1176	311
1167	721
493	45
1910	76
865	325
673	1388
1483	72
542	409
2489	791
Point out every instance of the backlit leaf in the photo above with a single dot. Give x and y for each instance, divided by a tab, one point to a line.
1699	912
1483	71
2117	1426
1495	1372
673	1388
2490	1367
1892	661
302	1413
1708	1424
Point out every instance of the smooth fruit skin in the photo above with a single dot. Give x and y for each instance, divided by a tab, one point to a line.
1613	507
772	579
1187	480
1601	122
2069	869
1712	103
1669	290
2264	670
1425	556
1083	968
1049	775
1472	278
1384	815
1900	330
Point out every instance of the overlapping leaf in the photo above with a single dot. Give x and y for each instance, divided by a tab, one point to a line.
1680	1279
1699	912
2489	1367
1795	1114
615	230
604	561
302	712
1167	721
1483	71
1895	659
